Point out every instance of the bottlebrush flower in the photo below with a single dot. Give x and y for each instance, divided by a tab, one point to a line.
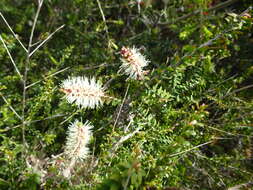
83	92
133	62
79	135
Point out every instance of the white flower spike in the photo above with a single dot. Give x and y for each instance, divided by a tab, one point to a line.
84	92
133	62
79	135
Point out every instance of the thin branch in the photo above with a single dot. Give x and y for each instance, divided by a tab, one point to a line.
127	127
34	121
15	35
57	72
36	43
120	142
12	61
26	70
101	65
222	82
235	91
46	118
216	7
106	85
124	138
244	185
128	179
86	68
12	109
238	90
121	106
103	17
233	134
208	43
92	163
42	43
185	151
68	118
34	24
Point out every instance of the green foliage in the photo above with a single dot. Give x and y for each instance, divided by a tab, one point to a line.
127	175
190	118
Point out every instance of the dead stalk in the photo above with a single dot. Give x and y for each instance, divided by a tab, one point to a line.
121	106
26	71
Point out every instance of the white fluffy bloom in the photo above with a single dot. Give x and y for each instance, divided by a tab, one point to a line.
133	62
83	92
79	135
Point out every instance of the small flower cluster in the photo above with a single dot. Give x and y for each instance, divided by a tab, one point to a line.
133	62
87	93
76	149
79	135
83	92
